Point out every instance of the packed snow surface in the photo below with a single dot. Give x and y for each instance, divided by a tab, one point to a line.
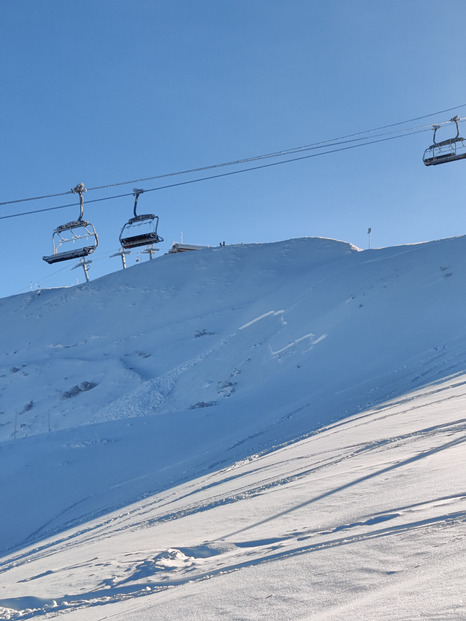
270	431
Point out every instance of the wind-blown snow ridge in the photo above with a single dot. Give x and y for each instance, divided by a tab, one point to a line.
203	382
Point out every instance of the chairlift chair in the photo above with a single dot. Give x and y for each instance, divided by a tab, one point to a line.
140	230
80	234
449	150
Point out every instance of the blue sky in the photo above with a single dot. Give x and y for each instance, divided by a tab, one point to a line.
104	91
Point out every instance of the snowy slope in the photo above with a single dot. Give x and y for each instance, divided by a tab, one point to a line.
185	384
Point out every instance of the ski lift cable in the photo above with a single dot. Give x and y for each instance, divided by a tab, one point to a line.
95	200
311	147
322	144
217	176
315	145
295	159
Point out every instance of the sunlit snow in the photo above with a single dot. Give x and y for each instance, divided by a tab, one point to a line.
269	431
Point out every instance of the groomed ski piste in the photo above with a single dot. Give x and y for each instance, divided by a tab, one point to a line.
267	431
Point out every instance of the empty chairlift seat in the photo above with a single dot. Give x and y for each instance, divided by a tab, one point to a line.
140	230
449	150
75	239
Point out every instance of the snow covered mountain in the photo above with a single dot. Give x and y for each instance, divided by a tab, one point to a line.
260	431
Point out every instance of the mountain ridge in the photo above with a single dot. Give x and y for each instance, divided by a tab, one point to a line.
263	343
127	390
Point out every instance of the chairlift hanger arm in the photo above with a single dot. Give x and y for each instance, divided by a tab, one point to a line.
455	120
79	189
136	192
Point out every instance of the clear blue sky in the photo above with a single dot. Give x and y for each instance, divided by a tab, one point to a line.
103	91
